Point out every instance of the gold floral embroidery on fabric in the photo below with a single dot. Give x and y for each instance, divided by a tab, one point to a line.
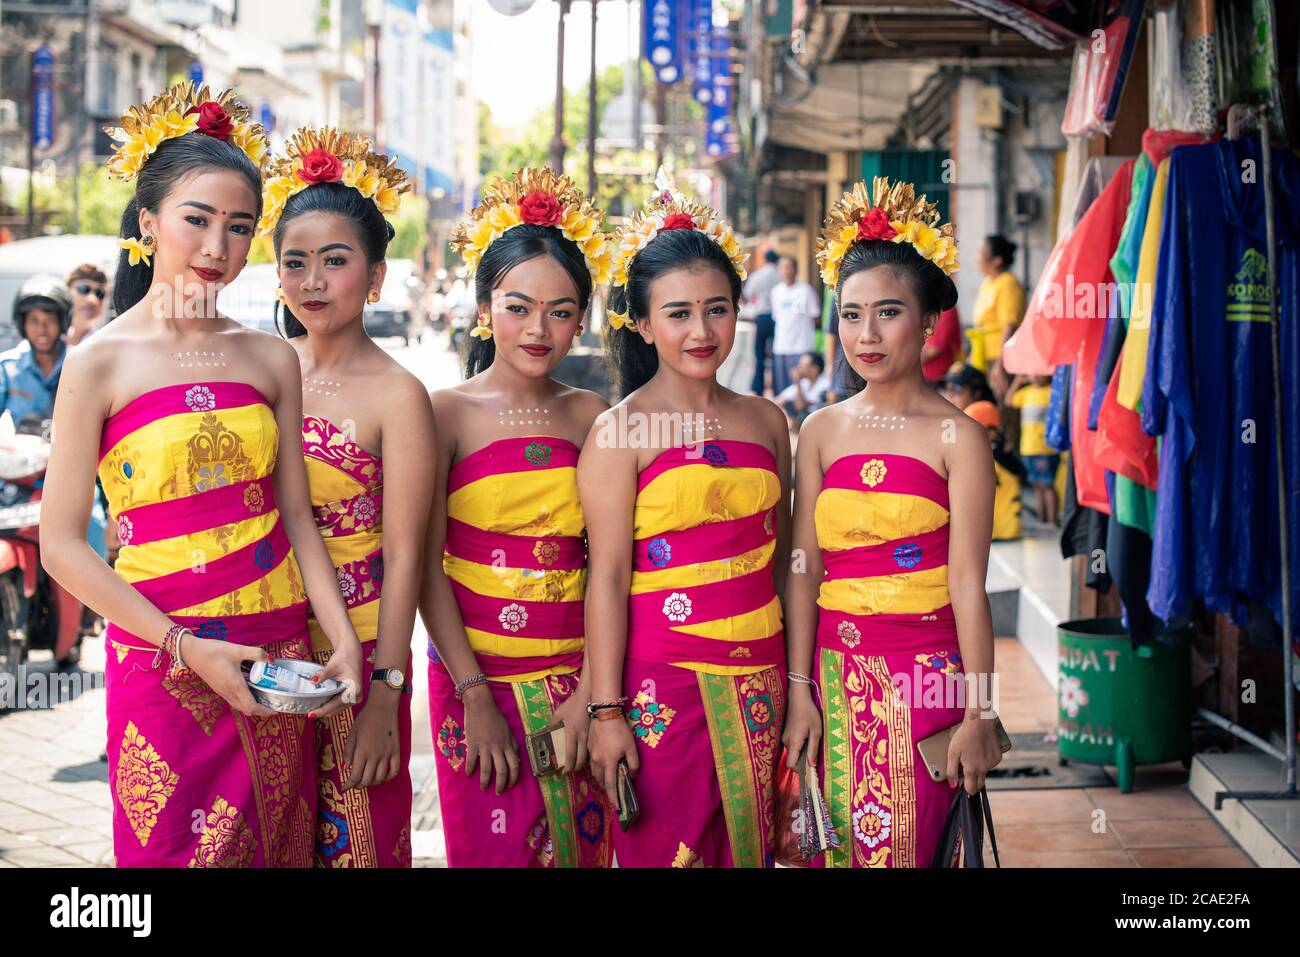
539	841
121	651
204	705
216	456
873	472
254	499
883	801
144	782
296	592
686	857
226	840
649	718
546	552
402	851
762	698
740	651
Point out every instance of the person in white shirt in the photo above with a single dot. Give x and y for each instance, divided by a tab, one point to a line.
758	296
807	393
795	311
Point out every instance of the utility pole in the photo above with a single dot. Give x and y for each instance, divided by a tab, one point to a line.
557	141
591	112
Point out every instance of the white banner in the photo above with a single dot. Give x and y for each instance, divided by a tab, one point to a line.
438	142
399	87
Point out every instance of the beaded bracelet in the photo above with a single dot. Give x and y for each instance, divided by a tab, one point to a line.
473	681
805	680
595	708
171	647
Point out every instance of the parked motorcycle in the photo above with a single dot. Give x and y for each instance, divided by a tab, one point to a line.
35	611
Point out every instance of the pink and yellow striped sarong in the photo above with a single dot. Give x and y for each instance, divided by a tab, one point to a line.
705	661
364	827
516	557
187	473
887	661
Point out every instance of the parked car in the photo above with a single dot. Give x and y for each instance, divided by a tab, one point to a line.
392	315
250	299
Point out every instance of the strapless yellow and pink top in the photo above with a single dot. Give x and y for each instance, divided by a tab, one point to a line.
347	494
516	556
702	594
187	473
882	527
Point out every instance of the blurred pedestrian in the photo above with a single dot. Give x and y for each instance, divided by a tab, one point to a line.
942	348
757	294
965	384
999	307
795	313
807	393
1041	460
1007	469
88	286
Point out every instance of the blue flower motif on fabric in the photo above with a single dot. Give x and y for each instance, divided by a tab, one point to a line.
377	569
331	833
213	628
659	552
714	454
907	555
591	822
264	556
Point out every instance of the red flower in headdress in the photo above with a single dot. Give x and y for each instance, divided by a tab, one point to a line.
320	166
541	209
213	120
678	221
875	225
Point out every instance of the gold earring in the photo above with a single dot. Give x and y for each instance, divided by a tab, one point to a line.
279	296
579	330
148	242
373	296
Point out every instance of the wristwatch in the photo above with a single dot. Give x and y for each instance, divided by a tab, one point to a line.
392	677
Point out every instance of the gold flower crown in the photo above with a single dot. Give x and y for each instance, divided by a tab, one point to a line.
890	212
329	156
668	209
540	197
180	109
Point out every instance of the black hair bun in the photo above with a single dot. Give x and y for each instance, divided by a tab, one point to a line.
391	231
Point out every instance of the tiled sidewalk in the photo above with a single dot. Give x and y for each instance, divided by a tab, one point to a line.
1158	824
54	802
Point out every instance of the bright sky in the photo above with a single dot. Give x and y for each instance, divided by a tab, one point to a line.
514	57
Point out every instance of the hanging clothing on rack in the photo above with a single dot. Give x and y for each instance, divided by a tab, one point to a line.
1208	391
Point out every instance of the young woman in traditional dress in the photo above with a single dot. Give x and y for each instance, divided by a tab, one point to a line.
688	539
893	511
367	436
195	423
506	569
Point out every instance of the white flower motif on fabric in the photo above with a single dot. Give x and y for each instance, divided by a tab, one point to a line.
200	399
677	607
125	530
513	617
871	825
364	510
849	634
1073	697
347	584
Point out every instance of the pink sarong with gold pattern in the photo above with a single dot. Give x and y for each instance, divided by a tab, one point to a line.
887	661
187	473
705	661
517	561
363	827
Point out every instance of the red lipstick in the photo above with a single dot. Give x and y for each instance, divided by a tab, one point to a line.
871	358
208	275
315	305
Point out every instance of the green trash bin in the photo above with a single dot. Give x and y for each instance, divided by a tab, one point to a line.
1119	705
